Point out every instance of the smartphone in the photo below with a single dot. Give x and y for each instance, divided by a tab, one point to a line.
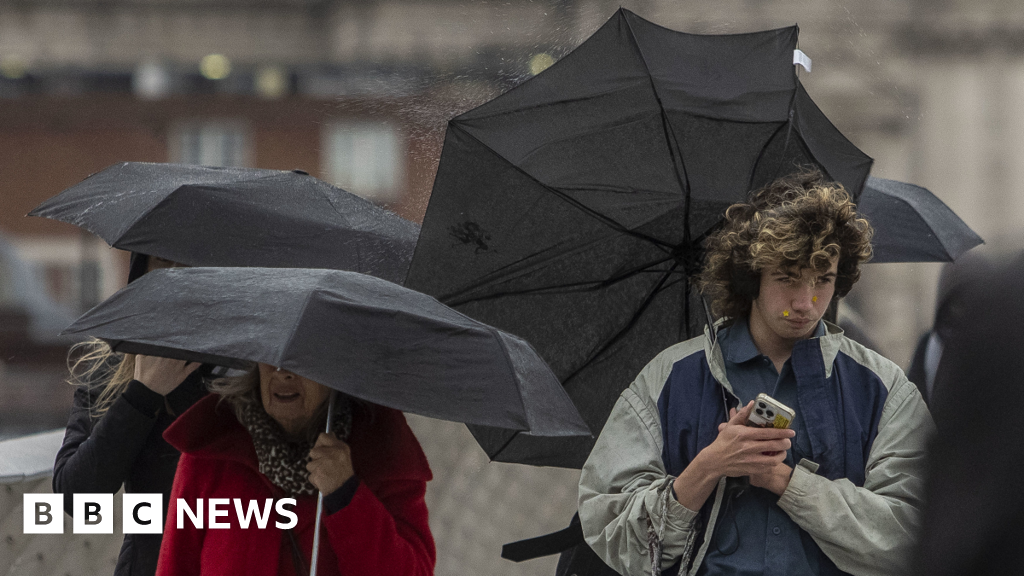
770	413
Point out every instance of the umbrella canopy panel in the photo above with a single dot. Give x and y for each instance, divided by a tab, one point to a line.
571	209
203	216
363	336
912	225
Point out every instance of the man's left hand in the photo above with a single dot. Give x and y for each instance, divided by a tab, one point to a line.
330	465
775	480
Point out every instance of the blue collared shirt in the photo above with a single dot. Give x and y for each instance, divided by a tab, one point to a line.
754	536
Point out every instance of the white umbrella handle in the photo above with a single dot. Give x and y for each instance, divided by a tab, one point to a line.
320	497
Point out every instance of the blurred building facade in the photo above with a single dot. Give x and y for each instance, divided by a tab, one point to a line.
357	92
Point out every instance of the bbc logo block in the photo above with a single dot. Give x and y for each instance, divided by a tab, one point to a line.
93	514
44	513
142	513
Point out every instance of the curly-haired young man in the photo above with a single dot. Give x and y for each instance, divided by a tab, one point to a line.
678	482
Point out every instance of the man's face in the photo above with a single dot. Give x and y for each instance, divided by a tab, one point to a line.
792	301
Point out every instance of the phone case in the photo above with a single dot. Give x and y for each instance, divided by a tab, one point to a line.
770	413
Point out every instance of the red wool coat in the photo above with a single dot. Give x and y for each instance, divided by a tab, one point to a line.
383	530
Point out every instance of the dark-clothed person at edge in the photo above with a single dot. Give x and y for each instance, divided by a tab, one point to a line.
258	437
679	484
114	437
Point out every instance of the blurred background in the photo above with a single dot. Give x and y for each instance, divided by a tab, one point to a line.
357	92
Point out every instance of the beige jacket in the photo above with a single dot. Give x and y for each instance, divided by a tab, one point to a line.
866	530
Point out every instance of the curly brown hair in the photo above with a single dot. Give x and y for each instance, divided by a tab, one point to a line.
798	221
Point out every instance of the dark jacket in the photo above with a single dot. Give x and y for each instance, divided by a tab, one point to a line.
124	446
972	521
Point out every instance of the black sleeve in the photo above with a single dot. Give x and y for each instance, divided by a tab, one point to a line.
96	456
342	496
191	390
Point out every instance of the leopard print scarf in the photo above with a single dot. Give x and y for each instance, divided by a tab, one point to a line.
284	461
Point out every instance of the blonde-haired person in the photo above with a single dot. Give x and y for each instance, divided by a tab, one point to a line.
840	491
258	439
114	438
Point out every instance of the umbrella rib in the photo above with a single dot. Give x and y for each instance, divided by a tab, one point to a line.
454	300
611	223
607	344
511	437
298	320
789	134
683	177
629	325
763	151
562	289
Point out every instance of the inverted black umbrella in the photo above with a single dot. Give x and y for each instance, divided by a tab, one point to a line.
911	224
357	334
203	216
571	209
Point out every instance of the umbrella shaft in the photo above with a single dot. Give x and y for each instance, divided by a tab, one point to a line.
320	497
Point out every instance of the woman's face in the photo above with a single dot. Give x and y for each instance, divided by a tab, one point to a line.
290	399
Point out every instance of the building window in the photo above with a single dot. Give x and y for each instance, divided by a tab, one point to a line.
365	158
210	143
76	272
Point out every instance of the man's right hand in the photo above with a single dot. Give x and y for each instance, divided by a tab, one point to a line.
739	450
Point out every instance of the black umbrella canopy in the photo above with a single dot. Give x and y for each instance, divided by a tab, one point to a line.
203	216
361	335
911	224
571	209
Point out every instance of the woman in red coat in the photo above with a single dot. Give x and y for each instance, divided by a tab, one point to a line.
256	441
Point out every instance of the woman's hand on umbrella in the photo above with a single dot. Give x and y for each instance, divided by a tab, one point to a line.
330	464
162	375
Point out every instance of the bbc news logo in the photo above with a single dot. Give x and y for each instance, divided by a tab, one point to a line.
143	513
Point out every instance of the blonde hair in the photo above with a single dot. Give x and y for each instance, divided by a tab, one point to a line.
93	364
799	221
238	391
